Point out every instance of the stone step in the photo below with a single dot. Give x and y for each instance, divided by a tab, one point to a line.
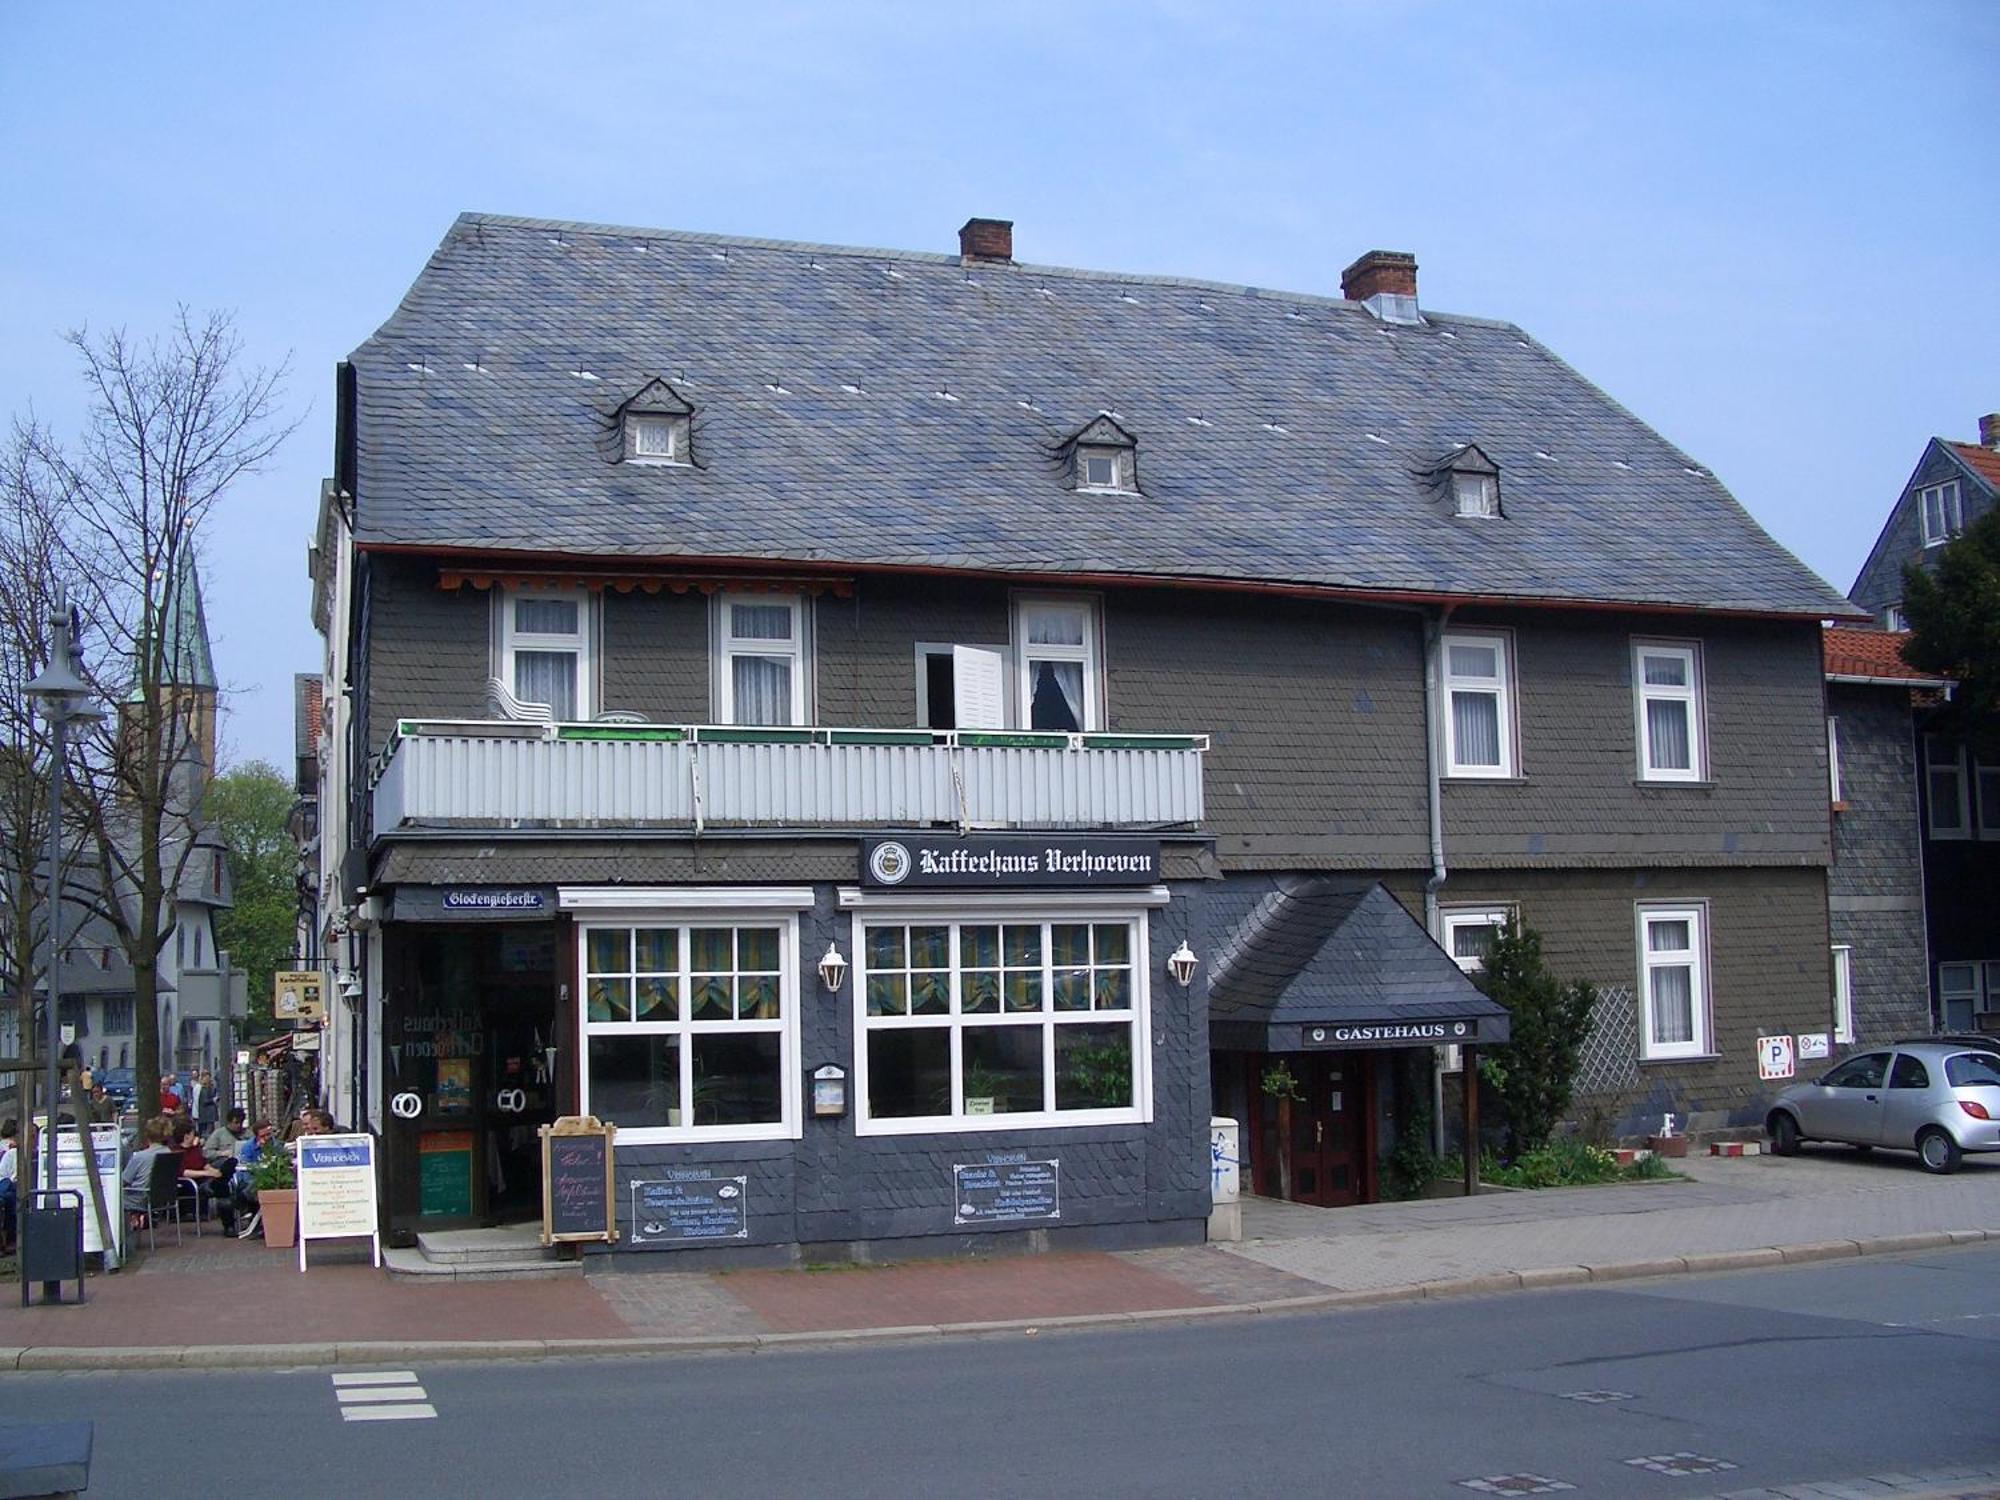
508	1245
414	1265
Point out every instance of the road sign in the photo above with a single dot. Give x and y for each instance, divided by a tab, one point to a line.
1774	1057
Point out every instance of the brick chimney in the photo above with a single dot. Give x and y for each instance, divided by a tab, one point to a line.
986	240
1989	430
1385	282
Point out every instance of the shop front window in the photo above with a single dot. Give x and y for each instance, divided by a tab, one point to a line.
689	1029
1041	1021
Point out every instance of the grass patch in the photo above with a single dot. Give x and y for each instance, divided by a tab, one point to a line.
1571	1163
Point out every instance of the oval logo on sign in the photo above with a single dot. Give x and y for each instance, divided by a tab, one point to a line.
889	863
406	1106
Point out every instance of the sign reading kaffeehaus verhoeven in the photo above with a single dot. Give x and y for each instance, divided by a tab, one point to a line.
915	860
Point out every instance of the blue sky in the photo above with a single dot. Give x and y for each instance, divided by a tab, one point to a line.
1769	229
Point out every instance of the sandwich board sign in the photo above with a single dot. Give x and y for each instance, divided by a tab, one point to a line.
72	1174
337	1191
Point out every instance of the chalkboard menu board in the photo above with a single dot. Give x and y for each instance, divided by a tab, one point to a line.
691	1205
1004	1190
576	1180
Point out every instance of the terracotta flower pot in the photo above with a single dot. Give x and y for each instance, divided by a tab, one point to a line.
1668	1145
280	1208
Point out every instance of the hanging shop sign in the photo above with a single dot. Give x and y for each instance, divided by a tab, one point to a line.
337	1191
576	1180
688	1204
1006	1190
298	995
918	862
473	903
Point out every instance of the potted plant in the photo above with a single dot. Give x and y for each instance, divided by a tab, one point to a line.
277	1184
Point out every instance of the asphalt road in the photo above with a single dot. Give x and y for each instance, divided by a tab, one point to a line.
1809	1373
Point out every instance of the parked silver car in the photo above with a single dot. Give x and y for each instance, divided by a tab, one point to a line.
1939	1097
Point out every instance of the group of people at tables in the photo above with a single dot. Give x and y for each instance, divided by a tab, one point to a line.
218	1164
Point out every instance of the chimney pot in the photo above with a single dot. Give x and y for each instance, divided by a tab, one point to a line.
986	240
1989	430
1380	271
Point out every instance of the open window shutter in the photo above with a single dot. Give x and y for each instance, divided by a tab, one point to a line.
979	687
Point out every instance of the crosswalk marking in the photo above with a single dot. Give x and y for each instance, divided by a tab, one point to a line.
381	1396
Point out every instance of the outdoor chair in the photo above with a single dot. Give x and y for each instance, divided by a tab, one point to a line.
163	1197
503	702
198	1196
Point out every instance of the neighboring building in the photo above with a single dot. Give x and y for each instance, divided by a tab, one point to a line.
1959	793
1875	896
1041	702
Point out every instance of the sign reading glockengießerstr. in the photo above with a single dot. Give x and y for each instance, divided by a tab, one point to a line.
916	860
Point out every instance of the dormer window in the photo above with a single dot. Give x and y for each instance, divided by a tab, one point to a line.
1104	458
1470	482
1475	494
653	426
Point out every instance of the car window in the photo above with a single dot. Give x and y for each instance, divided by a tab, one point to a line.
1968	1069
1864	1072
1910	1073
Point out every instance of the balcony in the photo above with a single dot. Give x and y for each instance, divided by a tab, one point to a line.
439	775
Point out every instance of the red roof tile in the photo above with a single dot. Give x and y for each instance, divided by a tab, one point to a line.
1855	652
1985	462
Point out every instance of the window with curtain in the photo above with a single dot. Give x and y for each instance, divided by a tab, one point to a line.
1843	993
1667	685
1944	782
760	659
546	649
1478	722
1057	652
1673	965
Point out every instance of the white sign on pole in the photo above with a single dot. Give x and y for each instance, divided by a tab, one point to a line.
337	1191
1774	1058
73	1176
1813	1046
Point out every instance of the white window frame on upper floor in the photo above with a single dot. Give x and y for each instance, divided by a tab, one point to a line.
1475	496
1843	992
1695	959
582	643
1950	512
727	646
1452	918
1893	617
1689	694
1834	793
1500	688
645	425
1955	770
1026	608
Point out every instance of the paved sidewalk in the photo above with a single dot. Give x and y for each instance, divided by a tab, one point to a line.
218	1301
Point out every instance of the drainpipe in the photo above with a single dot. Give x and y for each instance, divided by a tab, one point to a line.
1434	793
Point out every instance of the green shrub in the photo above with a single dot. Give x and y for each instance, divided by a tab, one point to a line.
1534	1074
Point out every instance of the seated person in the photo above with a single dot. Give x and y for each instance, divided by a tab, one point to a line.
137	1183
195	1168
224	1142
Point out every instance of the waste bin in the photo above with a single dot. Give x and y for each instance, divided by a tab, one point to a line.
52	1241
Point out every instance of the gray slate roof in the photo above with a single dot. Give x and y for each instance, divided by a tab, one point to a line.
867	407
1321	952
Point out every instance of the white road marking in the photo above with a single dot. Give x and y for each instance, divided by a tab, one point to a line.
382	1396
389	1413
381	1393
378	1377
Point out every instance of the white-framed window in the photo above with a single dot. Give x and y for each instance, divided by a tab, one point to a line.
1055	647
656	438
1833	761
1037	1016
1478	721
1942	517
1945	786
1475	495
961	687
547	651
1100	468
690	1026
1986	781
760	659
1893	617
1468	933
1673	975
1666	683
1843	992
1958	995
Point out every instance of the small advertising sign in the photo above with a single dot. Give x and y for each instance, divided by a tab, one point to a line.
577	1175
298	995
72	1175
1006	1191
690	1204
1774	1058
1813	1046
337	1191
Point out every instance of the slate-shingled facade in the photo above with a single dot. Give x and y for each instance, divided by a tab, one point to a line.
868	606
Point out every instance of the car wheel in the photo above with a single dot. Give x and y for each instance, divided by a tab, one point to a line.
1938	1151
1784	1134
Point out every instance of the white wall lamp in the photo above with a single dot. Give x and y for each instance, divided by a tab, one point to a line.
1181	963
350	986
832	968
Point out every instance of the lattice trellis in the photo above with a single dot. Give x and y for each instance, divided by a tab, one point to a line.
1610	1060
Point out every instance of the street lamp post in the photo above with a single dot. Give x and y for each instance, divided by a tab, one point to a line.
64	699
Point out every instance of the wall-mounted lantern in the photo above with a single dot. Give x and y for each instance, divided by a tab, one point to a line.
1181	963
832	968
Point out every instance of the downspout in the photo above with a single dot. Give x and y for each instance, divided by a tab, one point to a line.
1434	794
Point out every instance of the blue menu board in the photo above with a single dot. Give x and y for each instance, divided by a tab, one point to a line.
1006	1192
691	1205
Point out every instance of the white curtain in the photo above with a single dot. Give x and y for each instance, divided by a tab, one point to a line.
1673	1004
762	689
1667	734
1475	729
547	677
1058	696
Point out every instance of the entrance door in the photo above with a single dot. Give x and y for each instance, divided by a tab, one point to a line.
1326	1130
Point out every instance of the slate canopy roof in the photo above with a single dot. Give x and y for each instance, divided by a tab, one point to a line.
867	408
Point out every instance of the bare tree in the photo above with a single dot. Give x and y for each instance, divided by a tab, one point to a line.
123	510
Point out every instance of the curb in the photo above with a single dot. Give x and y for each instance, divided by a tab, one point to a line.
269	1356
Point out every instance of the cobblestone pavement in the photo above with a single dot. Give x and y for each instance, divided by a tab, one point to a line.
1741	1203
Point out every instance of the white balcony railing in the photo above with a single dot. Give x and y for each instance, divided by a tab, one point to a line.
498	774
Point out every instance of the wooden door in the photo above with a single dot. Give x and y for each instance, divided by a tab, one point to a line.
1327	1135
